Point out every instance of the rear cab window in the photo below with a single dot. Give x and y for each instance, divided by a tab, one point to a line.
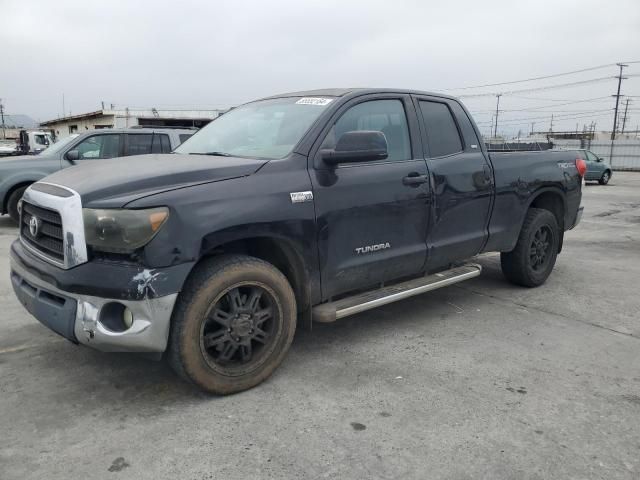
442	132
138	143
161	143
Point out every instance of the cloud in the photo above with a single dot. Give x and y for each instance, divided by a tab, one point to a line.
209	54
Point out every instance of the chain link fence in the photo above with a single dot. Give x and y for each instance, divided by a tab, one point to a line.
621	154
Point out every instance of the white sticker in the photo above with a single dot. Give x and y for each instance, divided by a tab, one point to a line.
314	101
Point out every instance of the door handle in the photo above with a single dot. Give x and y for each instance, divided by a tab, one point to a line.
487	173
414	179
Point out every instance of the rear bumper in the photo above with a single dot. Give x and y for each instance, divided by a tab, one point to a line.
578	217
79	317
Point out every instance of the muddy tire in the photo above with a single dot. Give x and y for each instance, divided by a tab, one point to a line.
530	263
232	325
12	204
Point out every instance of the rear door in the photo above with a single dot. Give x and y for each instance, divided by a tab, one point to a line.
371	225
461	181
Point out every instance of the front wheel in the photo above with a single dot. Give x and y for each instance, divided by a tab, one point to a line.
531	261
604	179
233	324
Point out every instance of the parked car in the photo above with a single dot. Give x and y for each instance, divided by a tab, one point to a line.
33	142
304	207
18	172
597	168
8	147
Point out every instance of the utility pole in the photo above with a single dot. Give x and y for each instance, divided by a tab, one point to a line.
4	133
624	119
495	132
532	125
64	113
617	95
551	124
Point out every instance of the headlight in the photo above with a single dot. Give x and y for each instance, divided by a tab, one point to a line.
122	231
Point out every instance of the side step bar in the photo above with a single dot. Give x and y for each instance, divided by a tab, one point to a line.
332	311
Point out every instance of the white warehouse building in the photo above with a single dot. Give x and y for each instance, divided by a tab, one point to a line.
129	117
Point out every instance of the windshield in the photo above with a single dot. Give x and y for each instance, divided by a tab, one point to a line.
264	129
59	145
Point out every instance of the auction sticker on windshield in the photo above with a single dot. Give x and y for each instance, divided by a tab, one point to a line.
314	101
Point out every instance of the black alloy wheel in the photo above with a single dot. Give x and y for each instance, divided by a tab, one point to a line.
239	327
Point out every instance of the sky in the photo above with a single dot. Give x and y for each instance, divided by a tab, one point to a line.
216	54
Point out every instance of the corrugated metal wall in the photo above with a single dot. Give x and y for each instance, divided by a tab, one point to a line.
626	153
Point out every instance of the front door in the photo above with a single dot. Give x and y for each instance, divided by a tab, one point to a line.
594	168
372	222
462	182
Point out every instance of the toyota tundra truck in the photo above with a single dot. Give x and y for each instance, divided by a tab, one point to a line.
293	209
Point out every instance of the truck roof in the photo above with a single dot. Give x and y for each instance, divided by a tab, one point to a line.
341	92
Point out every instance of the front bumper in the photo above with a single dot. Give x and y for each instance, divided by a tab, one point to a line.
79	317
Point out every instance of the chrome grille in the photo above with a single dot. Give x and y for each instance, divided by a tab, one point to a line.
49	237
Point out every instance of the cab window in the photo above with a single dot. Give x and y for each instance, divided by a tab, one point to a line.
139	144
99	146
442	132
591	157
386	116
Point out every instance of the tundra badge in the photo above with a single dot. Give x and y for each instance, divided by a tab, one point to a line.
372	248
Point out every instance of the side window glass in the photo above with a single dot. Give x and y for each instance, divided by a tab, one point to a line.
184	136
155	146
386	116
99	146
139	144
166	144
590	156
442	133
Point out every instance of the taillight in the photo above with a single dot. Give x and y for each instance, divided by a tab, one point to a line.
581	165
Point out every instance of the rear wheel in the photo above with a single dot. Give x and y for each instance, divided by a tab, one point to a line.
604	179
233	324
530	263
12	203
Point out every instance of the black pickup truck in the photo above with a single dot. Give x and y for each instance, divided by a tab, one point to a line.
301	207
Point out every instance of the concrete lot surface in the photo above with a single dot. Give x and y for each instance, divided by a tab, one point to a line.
480	380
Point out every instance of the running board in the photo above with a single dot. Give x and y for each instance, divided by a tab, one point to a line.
332	311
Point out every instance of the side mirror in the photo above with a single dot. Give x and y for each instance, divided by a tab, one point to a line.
357	146
599	159
72	155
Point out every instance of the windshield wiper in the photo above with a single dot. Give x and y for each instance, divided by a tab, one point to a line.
214	154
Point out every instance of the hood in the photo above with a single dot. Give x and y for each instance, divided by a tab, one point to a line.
26	161
122	180
29	163
125	179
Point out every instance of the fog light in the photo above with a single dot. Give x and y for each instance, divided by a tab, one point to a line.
127	317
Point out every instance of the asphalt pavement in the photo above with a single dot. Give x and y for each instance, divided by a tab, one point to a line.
479	380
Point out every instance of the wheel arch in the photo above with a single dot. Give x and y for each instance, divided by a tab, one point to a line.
553	200
278	251
13	188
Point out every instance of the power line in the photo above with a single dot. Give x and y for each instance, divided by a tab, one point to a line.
599	67
589	69
537	89
484	126
544	106
557	117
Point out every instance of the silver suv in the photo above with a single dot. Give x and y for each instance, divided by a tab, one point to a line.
18	172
